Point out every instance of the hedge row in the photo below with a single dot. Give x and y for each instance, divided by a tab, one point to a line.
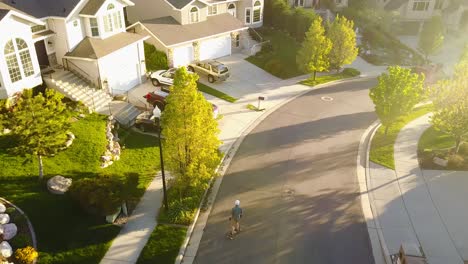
280	15
155	59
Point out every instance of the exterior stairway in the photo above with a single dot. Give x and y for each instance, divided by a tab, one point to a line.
78	89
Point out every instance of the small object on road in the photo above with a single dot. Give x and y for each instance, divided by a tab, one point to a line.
261	98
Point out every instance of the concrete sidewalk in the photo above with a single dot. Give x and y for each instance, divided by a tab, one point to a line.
404	204
251	83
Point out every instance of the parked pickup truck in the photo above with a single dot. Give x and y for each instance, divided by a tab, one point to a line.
158	98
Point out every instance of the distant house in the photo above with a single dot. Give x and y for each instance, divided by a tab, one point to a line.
87	37
316	4
193	30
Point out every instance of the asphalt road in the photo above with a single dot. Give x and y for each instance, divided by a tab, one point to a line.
295	175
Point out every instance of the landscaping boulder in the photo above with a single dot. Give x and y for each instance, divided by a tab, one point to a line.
59	184
2	208
8	231
440	162
106	158
4	219
5	249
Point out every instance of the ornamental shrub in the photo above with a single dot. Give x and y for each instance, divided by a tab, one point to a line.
26	255
351	72
155	59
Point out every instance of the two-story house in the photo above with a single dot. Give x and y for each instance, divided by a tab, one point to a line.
193	30
86	37
316	3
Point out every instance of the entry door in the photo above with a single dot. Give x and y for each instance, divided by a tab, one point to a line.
42	54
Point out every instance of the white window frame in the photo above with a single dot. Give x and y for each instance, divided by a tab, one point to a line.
421	5
259	9
299	3
112	20
91	26
194	16
20	59
235	9
212	8
249	16
439	4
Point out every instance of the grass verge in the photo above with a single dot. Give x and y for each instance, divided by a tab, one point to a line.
65	233
279	56
382	146
163	245
209	90
346	73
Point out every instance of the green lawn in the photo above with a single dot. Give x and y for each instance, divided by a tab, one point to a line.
209	90
381	151
280	58
163	245
434	140
346	73
65	233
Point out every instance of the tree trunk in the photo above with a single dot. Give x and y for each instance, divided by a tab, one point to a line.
41	169
315	73
457	145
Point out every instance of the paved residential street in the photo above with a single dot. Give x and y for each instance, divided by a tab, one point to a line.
295	177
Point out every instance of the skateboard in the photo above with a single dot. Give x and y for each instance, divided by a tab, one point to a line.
232	236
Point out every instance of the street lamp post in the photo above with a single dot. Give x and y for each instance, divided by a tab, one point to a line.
157	116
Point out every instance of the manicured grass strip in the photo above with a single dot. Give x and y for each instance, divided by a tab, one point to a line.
163	245
381	151
346	73
435	140
209	90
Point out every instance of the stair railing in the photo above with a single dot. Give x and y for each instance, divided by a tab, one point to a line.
72	67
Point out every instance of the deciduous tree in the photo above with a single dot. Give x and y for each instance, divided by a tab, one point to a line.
313	54
396	94
40	122
432	36
343	39
190	132
450	99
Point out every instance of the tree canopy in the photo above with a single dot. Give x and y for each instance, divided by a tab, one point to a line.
396	94
343	39
190	132
432	36
313	54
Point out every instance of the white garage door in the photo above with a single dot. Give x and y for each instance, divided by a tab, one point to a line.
182	55
215	48
122	69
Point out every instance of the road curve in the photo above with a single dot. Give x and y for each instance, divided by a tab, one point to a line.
295	175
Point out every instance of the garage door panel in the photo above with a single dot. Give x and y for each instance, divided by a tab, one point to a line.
215	48
122	69
182	55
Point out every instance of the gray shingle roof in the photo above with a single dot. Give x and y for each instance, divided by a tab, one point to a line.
44	8
94	48
179	3
92	7
394	4
171	32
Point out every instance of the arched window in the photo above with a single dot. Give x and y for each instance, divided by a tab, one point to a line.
110	6
232	9
16	51
257	12
194	15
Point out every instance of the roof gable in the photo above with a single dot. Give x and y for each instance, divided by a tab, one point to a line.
93	6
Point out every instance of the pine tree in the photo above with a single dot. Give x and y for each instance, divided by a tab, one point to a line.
343	38
313	54
451	105
190	132
40	122
396	94
432	36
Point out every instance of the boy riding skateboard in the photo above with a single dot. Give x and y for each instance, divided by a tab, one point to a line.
236	215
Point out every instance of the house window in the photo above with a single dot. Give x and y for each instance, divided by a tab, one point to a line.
232	9
75	23
108	23
110	7
299	3
194	15
14	53
338	2
212	10
94	27
257	12
117	20
248	15
420	5
439	4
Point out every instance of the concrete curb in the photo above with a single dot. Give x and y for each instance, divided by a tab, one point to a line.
379	246
230	153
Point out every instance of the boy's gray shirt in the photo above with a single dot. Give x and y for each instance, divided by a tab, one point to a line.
236	213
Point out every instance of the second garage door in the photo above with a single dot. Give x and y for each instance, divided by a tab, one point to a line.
215	48
182	55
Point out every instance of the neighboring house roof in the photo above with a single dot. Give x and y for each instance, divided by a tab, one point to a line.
179	4
44	8
170	32
394	4
5	9
94	48
92	7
